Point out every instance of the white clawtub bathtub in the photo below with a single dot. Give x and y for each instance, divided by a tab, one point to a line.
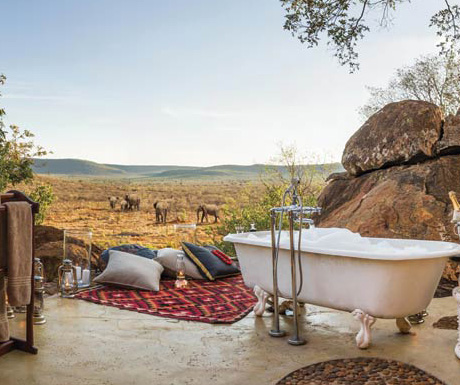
371	277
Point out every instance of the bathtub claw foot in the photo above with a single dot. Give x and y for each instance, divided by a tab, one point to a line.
363	338
456	294
403	325
262	297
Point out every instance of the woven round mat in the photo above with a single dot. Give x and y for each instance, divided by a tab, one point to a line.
360	371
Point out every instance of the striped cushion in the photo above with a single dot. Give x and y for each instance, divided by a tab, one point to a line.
209	265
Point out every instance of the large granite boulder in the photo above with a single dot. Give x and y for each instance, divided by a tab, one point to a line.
400	132
408	201
398	180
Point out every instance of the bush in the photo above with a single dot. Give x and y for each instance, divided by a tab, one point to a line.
274	182
257	213
43	194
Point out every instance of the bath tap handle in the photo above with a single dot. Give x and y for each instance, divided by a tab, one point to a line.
311	210
306	220
297	208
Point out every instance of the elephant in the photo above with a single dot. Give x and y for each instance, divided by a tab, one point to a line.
134	202
161	211
124	205
113	201
206	210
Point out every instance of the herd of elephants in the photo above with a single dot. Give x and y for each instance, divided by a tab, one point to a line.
132	202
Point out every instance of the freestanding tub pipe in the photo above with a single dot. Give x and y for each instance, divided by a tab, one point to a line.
275	331
295	213
292	192
295	339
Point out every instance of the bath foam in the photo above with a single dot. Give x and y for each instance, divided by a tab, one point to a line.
347	243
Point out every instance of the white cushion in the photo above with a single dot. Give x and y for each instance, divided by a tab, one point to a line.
168	258
129	270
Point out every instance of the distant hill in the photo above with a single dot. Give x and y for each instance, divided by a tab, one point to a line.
147	169
74	167
85	168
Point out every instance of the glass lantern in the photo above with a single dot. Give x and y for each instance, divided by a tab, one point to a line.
39	292
67	279
184	232
77	249
181	281
9	309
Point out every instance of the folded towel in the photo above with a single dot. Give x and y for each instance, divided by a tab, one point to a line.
4	328
19	252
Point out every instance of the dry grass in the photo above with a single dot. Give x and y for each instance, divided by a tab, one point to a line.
84	204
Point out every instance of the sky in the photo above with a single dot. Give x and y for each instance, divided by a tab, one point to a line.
182	82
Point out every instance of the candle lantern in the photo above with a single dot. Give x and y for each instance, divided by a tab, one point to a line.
181	281
39	292
67	279
184	232
77	249
9	310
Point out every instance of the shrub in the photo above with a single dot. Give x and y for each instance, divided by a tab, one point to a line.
43	194
275	180
256	212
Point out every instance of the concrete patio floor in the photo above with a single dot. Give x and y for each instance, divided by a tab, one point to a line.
85	343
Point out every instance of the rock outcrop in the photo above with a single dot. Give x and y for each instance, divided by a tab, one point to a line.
49	247
399	133
450	140
398	177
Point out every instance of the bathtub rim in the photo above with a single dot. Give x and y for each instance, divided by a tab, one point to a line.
306	248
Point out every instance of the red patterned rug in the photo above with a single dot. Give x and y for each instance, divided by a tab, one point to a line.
226	300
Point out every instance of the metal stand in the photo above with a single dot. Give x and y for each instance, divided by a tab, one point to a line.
275	331
295	214
295	339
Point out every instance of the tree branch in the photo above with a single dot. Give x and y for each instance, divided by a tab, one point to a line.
362	14
449	9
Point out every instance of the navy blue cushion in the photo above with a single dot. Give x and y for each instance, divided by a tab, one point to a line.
209	265
141	251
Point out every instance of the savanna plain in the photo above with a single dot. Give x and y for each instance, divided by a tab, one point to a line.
84	204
